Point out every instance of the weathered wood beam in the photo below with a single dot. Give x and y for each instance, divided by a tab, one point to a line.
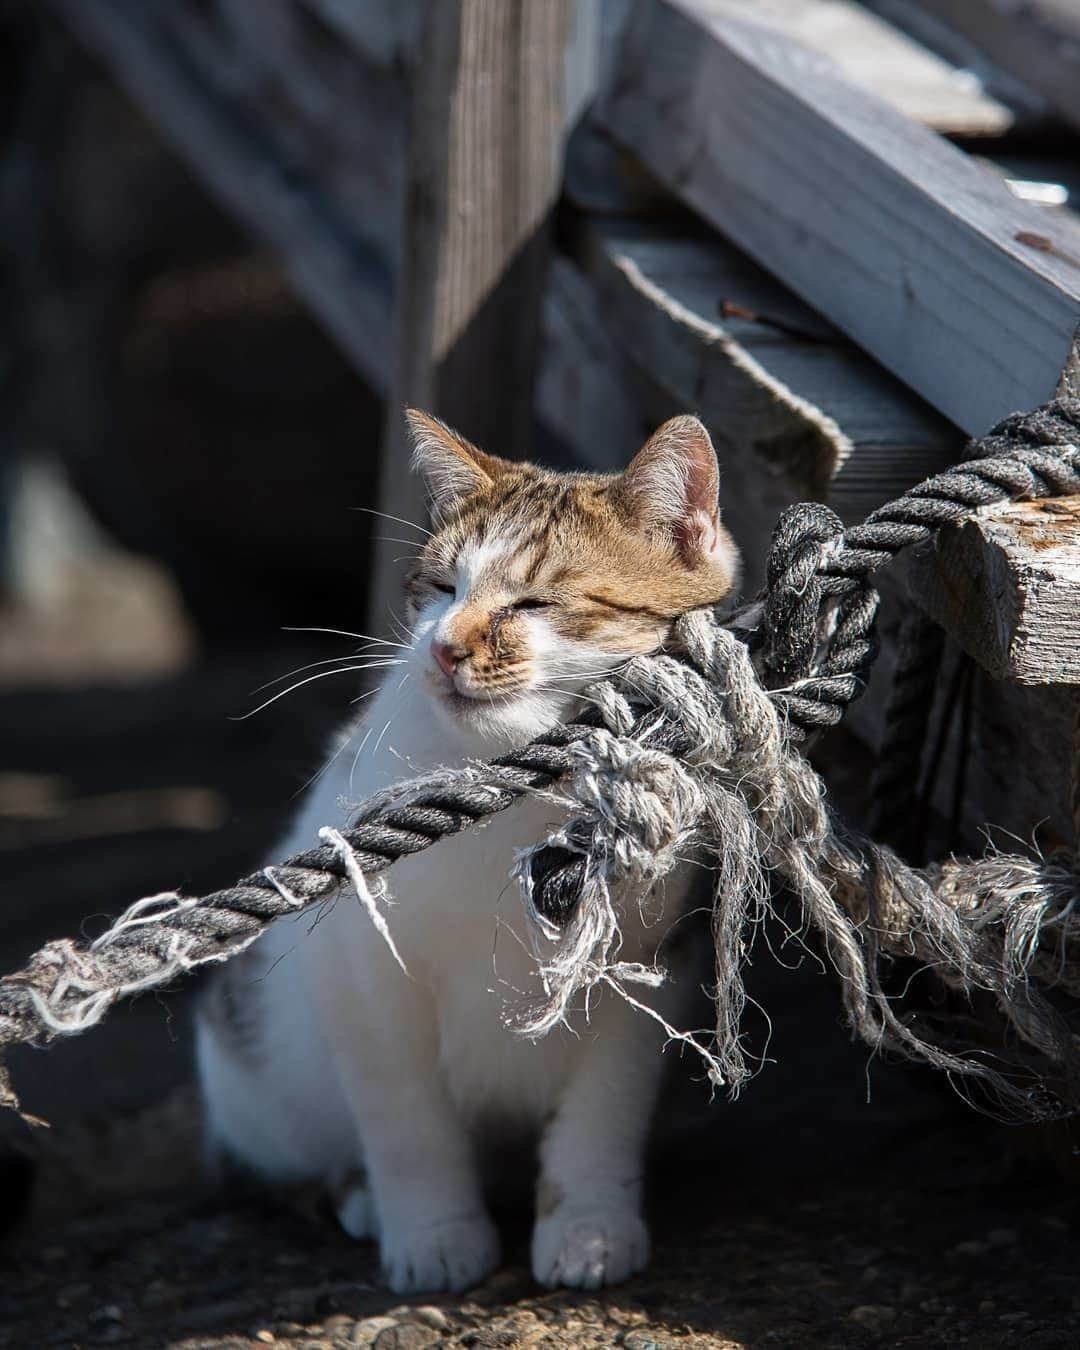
918	253
877	57
485	149
1036	40
340	274
1030	107
1006	586
776	384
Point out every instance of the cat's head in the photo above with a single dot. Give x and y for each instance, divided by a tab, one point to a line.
534	583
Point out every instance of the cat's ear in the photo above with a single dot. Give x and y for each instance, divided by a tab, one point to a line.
670	491
452	467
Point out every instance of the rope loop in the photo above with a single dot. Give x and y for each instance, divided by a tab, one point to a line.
695	745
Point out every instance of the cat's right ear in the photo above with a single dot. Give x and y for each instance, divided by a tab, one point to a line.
452	467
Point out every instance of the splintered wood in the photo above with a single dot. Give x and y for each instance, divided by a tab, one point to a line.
1006	585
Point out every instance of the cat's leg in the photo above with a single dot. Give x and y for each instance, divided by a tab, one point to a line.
589	1228
434	1230
354	1205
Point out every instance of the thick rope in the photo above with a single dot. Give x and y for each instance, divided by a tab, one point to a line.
701	710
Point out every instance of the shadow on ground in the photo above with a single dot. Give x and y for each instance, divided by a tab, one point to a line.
839	1202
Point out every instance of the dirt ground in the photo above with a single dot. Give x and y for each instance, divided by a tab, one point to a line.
929	1238
840	1202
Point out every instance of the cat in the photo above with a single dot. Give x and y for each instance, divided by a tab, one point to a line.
318	1057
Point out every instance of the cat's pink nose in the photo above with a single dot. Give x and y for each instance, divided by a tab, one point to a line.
447	658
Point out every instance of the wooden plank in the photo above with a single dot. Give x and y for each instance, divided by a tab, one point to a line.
887	62
485	150
585	397
1036	40
1028	105
338	272
772	380
1006	585
967	294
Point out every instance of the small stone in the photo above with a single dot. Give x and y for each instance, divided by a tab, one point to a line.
266	1336
987	1305
871	1314
53	1254
432	1317
72	1293
405	1336
870	1274
111	1312
972	1248
1002	1237
640	1340
364	1333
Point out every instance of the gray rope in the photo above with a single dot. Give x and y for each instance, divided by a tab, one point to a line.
685	710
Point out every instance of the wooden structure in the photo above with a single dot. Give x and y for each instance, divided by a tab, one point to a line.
854	295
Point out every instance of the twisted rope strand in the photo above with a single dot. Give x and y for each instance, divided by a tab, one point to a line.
699	707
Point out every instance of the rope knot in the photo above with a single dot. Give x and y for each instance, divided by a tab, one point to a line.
642	806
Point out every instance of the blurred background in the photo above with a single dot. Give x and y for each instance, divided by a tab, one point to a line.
238	236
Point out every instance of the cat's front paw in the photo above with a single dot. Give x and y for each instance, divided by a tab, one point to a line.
454	1254
589	1249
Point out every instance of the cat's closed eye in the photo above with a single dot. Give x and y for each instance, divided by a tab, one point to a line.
446	587
531	602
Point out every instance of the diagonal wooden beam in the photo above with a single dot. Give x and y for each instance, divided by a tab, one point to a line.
909	246
1038	41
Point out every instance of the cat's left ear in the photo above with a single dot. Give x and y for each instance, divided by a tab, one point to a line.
452	467
671	489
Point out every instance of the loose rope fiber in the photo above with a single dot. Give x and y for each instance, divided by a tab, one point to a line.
692	748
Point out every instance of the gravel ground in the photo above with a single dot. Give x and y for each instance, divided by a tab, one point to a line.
931	1238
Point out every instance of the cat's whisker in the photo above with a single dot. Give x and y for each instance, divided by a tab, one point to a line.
401	627
329	661
371	511
394	539
344	632
356	757
322	675
318	774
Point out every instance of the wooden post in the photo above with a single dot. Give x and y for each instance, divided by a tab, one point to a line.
485	150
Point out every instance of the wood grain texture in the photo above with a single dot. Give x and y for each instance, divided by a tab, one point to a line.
776	384
906	244
1037	40
486	132
1006	586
